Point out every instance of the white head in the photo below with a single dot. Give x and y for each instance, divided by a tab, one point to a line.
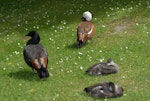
87	15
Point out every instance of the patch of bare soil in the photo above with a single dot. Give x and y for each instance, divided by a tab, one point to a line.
119	27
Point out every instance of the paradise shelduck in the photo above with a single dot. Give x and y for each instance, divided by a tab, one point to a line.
35	55
104	90
85	29
103	68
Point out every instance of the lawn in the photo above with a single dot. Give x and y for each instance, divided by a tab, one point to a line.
122	33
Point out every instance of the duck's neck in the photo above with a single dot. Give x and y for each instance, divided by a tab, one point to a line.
34	40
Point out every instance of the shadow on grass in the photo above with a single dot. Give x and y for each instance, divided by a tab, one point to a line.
90	97
72	46
24	75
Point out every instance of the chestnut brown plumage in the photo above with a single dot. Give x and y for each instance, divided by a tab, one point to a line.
85	30
35	55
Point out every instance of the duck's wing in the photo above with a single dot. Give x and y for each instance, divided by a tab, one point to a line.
32	52
94	69
106	69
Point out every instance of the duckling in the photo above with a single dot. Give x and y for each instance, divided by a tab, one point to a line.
35	55
104	90
103	68
85	29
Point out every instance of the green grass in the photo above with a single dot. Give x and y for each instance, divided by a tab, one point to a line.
56	22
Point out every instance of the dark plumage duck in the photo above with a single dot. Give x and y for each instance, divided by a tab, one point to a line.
103	68
35	55
104	90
